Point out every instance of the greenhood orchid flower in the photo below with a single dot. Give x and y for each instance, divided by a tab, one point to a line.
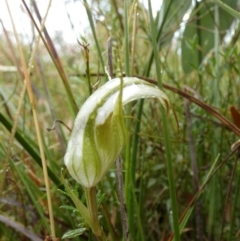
99	133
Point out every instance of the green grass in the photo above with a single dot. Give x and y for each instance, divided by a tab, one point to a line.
159	181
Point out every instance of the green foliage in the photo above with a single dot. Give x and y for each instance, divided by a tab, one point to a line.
198	36
198	83
74	233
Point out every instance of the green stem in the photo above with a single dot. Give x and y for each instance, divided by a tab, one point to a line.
126	39
93	211
129	192
90	19
235	203
166	132
199	39
214	190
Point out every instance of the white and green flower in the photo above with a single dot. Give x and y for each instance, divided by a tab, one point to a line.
99	134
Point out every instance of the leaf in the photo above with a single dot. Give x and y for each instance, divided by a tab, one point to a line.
29	149
198	36
79	205
67	207
173	12
230	10
74	233
32	191
235	116
188	212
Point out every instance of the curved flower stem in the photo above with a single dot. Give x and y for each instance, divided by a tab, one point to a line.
93	210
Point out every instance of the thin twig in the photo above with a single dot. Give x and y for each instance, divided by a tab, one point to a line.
86	51
228	193
35	117
14	128
110	62
119	16
124	219
133	46
54	125
196	196
228	124
200	103
195	171
54	56
49	101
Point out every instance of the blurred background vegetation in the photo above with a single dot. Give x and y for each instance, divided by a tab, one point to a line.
198	43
